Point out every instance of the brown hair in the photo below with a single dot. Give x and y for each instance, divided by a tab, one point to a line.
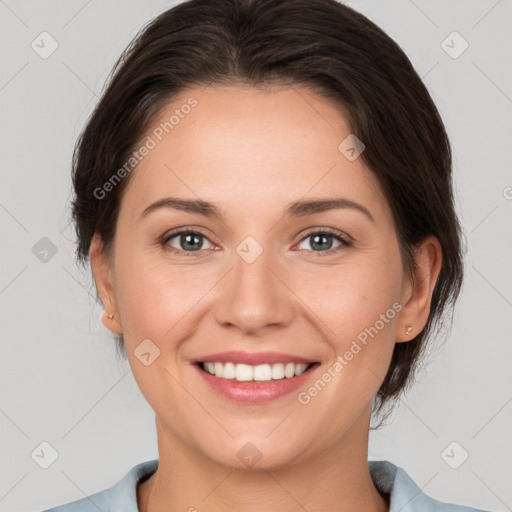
322	44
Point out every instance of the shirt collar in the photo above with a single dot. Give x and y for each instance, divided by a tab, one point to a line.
405	495
123	494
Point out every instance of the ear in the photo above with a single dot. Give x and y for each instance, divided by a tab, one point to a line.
103	277
417	295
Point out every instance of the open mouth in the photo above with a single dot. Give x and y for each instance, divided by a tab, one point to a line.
255	373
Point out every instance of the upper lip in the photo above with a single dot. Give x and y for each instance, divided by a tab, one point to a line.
251	358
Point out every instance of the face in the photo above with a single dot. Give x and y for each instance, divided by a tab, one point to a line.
268	270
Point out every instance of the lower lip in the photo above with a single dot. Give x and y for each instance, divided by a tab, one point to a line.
255	391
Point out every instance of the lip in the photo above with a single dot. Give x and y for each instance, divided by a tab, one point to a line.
252	358
255	392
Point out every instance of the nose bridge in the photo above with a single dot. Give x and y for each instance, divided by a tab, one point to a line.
254	297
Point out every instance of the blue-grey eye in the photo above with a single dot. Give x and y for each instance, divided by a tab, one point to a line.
187	241
321	241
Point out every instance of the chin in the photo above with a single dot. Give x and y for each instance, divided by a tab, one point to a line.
254	454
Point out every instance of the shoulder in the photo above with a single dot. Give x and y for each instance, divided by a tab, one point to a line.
121	496
93	503
405	495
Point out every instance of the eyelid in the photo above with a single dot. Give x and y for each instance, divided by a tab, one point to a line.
331	231
184	229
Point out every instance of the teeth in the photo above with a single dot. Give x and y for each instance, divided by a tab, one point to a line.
261	372
243	372
289	370
229	370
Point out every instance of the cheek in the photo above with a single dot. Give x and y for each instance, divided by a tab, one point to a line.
358	308
151	299
353	296
157	299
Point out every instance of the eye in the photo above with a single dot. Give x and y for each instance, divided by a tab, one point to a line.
186	241
322	240
189	241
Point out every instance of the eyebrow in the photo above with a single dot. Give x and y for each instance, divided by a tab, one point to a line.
299	208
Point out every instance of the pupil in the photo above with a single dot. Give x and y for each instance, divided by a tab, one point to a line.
316	239
187	241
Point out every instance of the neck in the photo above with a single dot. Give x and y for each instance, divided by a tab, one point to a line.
336	479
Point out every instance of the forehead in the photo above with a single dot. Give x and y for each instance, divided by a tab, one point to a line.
249	146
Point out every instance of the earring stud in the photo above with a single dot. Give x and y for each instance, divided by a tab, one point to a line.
408	330
109	315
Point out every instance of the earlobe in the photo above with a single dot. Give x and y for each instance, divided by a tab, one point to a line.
102	273
110	322
415	313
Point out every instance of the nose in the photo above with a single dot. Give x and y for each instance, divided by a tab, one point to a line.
255	295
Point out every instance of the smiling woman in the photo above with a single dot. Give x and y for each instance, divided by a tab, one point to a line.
276	261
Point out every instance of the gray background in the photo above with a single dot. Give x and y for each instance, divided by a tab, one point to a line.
60	378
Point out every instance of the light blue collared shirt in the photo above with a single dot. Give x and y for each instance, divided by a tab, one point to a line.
406	496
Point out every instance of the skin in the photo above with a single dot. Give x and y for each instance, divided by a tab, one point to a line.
252	152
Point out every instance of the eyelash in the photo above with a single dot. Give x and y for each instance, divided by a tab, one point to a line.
345	242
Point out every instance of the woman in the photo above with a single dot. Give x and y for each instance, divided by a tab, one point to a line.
264	193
